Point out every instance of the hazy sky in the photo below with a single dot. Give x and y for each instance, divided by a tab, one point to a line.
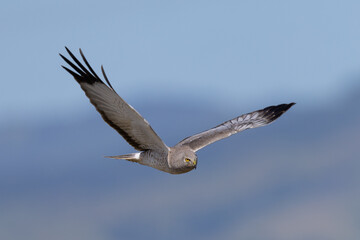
185	66
233	53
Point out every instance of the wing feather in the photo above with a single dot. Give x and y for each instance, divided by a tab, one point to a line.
250	120
113	109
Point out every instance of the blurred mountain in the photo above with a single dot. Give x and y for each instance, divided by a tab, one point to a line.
266	182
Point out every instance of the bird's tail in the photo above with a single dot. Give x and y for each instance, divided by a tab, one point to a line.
133	157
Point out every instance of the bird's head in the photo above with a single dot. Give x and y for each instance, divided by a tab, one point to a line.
190	160
183	159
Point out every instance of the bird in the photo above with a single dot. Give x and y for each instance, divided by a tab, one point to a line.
152	151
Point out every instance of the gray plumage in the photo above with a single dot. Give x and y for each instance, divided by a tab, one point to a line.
138	133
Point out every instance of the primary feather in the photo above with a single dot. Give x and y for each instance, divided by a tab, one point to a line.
250	120
113	109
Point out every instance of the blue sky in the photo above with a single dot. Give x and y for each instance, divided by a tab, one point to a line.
233	53
186	66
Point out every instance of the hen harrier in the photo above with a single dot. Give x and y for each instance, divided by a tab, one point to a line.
138	133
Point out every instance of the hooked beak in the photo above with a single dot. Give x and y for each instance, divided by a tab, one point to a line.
195	161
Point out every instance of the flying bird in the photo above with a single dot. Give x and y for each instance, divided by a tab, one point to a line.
153	152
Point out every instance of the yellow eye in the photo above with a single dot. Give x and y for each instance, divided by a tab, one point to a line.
187	160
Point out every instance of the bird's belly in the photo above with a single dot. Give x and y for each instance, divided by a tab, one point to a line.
155	160
160	161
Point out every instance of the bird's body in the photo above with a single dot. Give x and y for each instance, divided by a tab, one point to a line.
153	152
167	161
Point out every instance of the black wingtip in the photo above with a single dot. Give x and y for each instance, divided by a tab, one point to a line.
274	112
62	56
81	74
106	79
67	49
75	75
288	106
88	65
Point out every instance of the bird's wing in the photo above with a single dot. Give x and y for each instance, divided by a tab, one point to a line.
113	109
250	120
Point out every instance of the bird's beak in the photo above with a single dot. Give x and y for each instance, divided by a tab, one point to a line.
194	163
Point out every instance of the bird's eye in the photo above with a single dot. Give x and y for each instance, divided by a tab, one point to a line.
187	160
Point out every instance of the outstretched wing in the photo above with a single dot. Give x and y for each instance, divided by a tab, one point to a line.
250	120
113	109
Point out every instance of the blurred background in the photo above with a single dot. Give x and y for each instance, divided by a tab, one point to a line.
186	66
